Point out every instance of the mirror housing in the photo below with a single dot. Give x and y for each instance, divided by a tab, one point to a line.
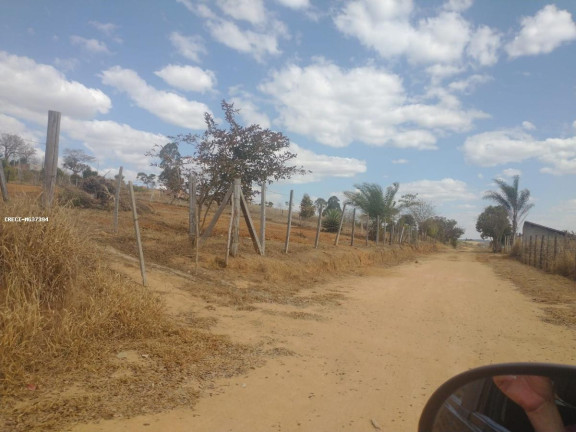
559	373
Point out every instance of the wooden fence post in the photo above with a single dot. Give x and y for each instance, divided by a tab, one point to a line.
236	219
555	251
289	222
51	157
340	225
402	234
530	251
263	218
3	183
353	225
117	200
377	229
192	210
392	234
318	227
541	250
137	230
367	221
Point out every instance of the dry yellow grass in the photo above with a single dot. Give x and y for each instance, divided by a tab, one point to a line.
65	316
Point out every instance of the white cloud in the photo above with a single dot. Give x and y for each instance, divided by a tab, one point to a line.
91	45
484	46
337	106
558	155
323	166
249	112
188	78
252	11
260	41
29	89
458	5
386	27
511	172
190	47
111	141
257	44
108	29
543	33
469	84
13	126
399	161
439	191
295	4
528	126
170	107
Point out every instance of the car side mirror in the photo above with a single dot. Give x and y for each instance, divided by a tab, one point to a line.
514	397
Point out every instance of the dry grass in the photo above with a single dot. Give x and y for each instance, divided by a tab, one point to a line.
63	313
556	292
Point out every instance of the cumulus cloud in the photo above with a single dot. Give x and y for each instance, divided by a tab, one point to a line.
543	32
323	166
190	47
387	27
28	89
91	45
252	11
111	141
259	41
484	45
188	78
170	107
558	155
439	191
337	106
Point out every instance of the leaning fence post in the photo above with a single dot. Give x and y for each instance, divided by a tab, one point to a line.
318	227
117	200
229	238
3	183
340	225
137	230
289	222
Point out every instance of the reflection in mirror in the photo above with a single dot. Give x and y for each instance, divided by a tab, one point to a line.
510	403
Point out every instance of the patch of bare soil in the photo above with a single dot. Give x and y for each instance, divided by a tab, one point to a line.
557	293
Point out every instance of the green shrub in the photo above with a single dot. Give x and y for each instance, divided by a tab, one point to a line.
331	220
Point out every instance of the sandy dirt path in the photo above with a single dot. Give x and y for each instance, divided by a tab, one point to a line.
374	359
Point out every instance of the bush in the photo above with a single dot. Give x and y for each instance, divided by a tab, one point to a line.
331	220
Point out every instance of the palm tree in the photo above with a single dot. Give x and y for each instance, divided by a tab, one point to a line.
515	202
371	199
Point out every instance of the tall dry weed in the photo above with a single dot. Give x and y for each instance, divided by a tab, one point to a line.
58	302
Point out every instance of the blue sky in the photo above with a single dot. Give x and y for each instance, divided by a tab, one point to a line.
440	96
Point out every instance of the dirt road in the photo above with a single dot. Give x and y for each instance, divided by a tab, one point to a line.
374	359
